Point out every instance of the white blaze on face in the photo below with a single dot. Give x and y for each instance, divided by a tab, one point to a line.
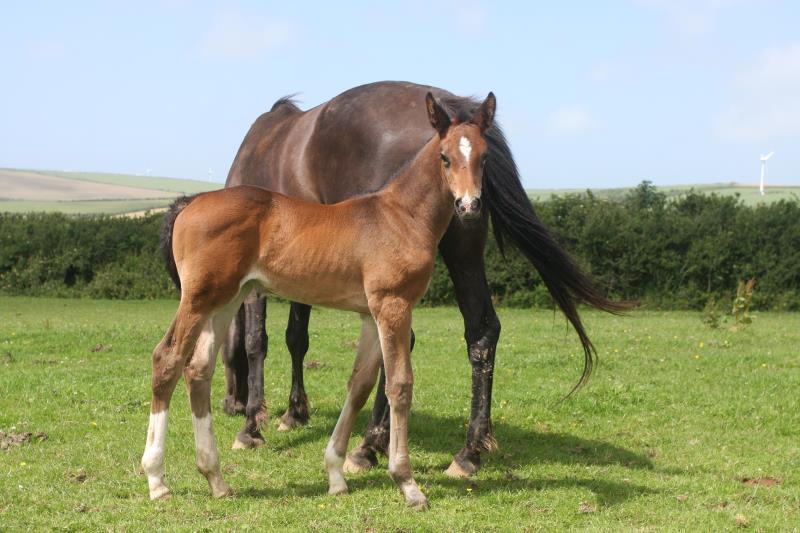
465	147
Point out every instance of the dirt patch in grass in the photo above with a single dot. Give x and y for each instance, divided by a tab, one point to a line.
8	440
765	481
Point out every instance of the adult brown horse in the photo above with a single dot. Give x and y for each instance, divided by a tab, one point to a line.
354	143
373	254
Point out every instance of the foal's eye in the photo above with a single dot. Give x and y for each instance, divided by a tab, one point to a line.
445	160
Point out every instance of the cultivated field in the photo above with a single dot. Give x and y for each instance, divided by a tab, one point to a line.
682	428
90	193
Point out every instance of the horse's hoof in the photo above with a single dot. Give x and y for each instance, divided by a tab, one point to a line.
161	493
337	489
289	422
418	502
358	462
244	441
232	407
222	492
460	471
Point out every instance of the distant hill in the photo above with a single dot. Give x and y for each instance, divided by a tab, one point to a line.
748	193
90	192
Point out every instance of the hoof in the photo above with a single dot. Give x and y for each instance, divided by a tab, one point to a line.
244	441
161	493
418	504
288	422
359	461
232	407
337	489
222	492
460	471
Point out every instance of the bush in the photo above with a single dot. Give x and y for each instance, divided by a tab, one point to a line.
666	253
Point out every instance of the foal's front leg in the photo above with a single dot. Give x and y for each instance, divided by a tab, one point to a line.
393	316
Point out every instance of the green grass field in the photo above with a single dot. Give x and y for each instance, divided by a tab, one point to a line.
178	185
749	194
682	428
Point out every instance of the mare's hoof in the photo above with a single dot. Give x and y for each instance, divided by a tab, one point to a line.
288	422
245	441
359	461
461	470
232	407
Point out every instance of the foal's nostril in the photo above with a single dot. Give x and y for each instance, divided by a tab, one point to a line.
460	205
475	205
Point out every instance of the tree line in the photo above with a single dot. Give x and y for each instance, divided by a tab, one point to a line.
668	253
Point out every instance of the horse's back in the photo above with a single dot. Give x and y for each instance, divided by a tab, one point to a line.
352	144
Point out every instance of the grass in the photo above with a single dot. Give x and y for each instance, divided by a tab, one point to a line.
749	194
682	427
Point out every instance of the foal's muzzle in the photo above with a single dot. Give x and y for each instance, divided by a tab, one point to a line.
468	210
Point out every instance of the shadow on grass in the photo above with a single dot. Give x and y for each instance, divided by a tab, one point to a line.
445	435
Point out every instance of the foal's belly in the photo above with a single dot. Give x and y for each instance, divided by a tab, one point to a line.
312	288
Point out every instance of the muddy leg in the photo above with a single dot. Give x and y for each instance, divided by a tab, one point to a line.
460	249
365	371
393	316
297	342
376	435
255	307
234	358
168	362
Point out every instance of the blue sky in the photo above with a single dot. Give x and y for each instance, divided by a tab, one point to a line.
591	94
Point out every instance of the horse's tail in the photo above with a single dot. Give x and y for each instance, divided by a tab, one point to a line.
166	236
513	218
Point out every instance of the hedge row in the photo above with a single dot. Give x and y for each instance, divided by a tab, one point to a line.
669	253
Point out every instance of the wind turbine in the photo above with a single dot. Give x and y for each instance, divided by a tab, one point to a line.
210	174
764	159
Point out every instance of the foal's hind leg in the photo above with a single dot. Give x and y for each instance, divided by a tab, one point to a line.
297	342
197	374
169	358
365	371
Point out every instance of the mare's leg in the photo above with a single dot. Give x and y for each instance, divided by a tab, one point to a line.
362	380
462	250
198	373
169	358
255	343
297	342
376	436
234	358
393	316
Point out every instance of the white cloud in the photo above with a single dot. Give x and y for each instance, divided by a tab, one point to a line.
47	50
234	36
690	17
571	119
470	17
766	104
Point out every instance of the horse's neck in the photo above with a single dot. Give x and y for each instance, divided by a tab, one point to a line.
420	190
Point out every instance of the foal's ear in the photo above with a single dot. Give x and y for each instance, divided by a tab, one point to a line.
439	118
484	115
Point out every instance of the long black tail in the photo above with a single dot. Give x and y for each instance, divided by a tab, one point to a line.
513	218
166	237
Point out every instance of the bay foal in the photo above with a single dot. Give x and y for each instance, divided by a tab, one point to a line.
373	255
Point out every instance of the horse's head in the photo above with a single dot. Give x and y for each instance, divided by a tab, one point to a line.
463	152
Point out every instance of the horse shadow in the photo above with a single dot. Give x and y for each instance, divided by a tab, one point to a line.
519	447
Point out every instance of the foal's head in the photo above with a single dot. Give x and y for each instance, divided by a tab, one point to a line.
463	152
